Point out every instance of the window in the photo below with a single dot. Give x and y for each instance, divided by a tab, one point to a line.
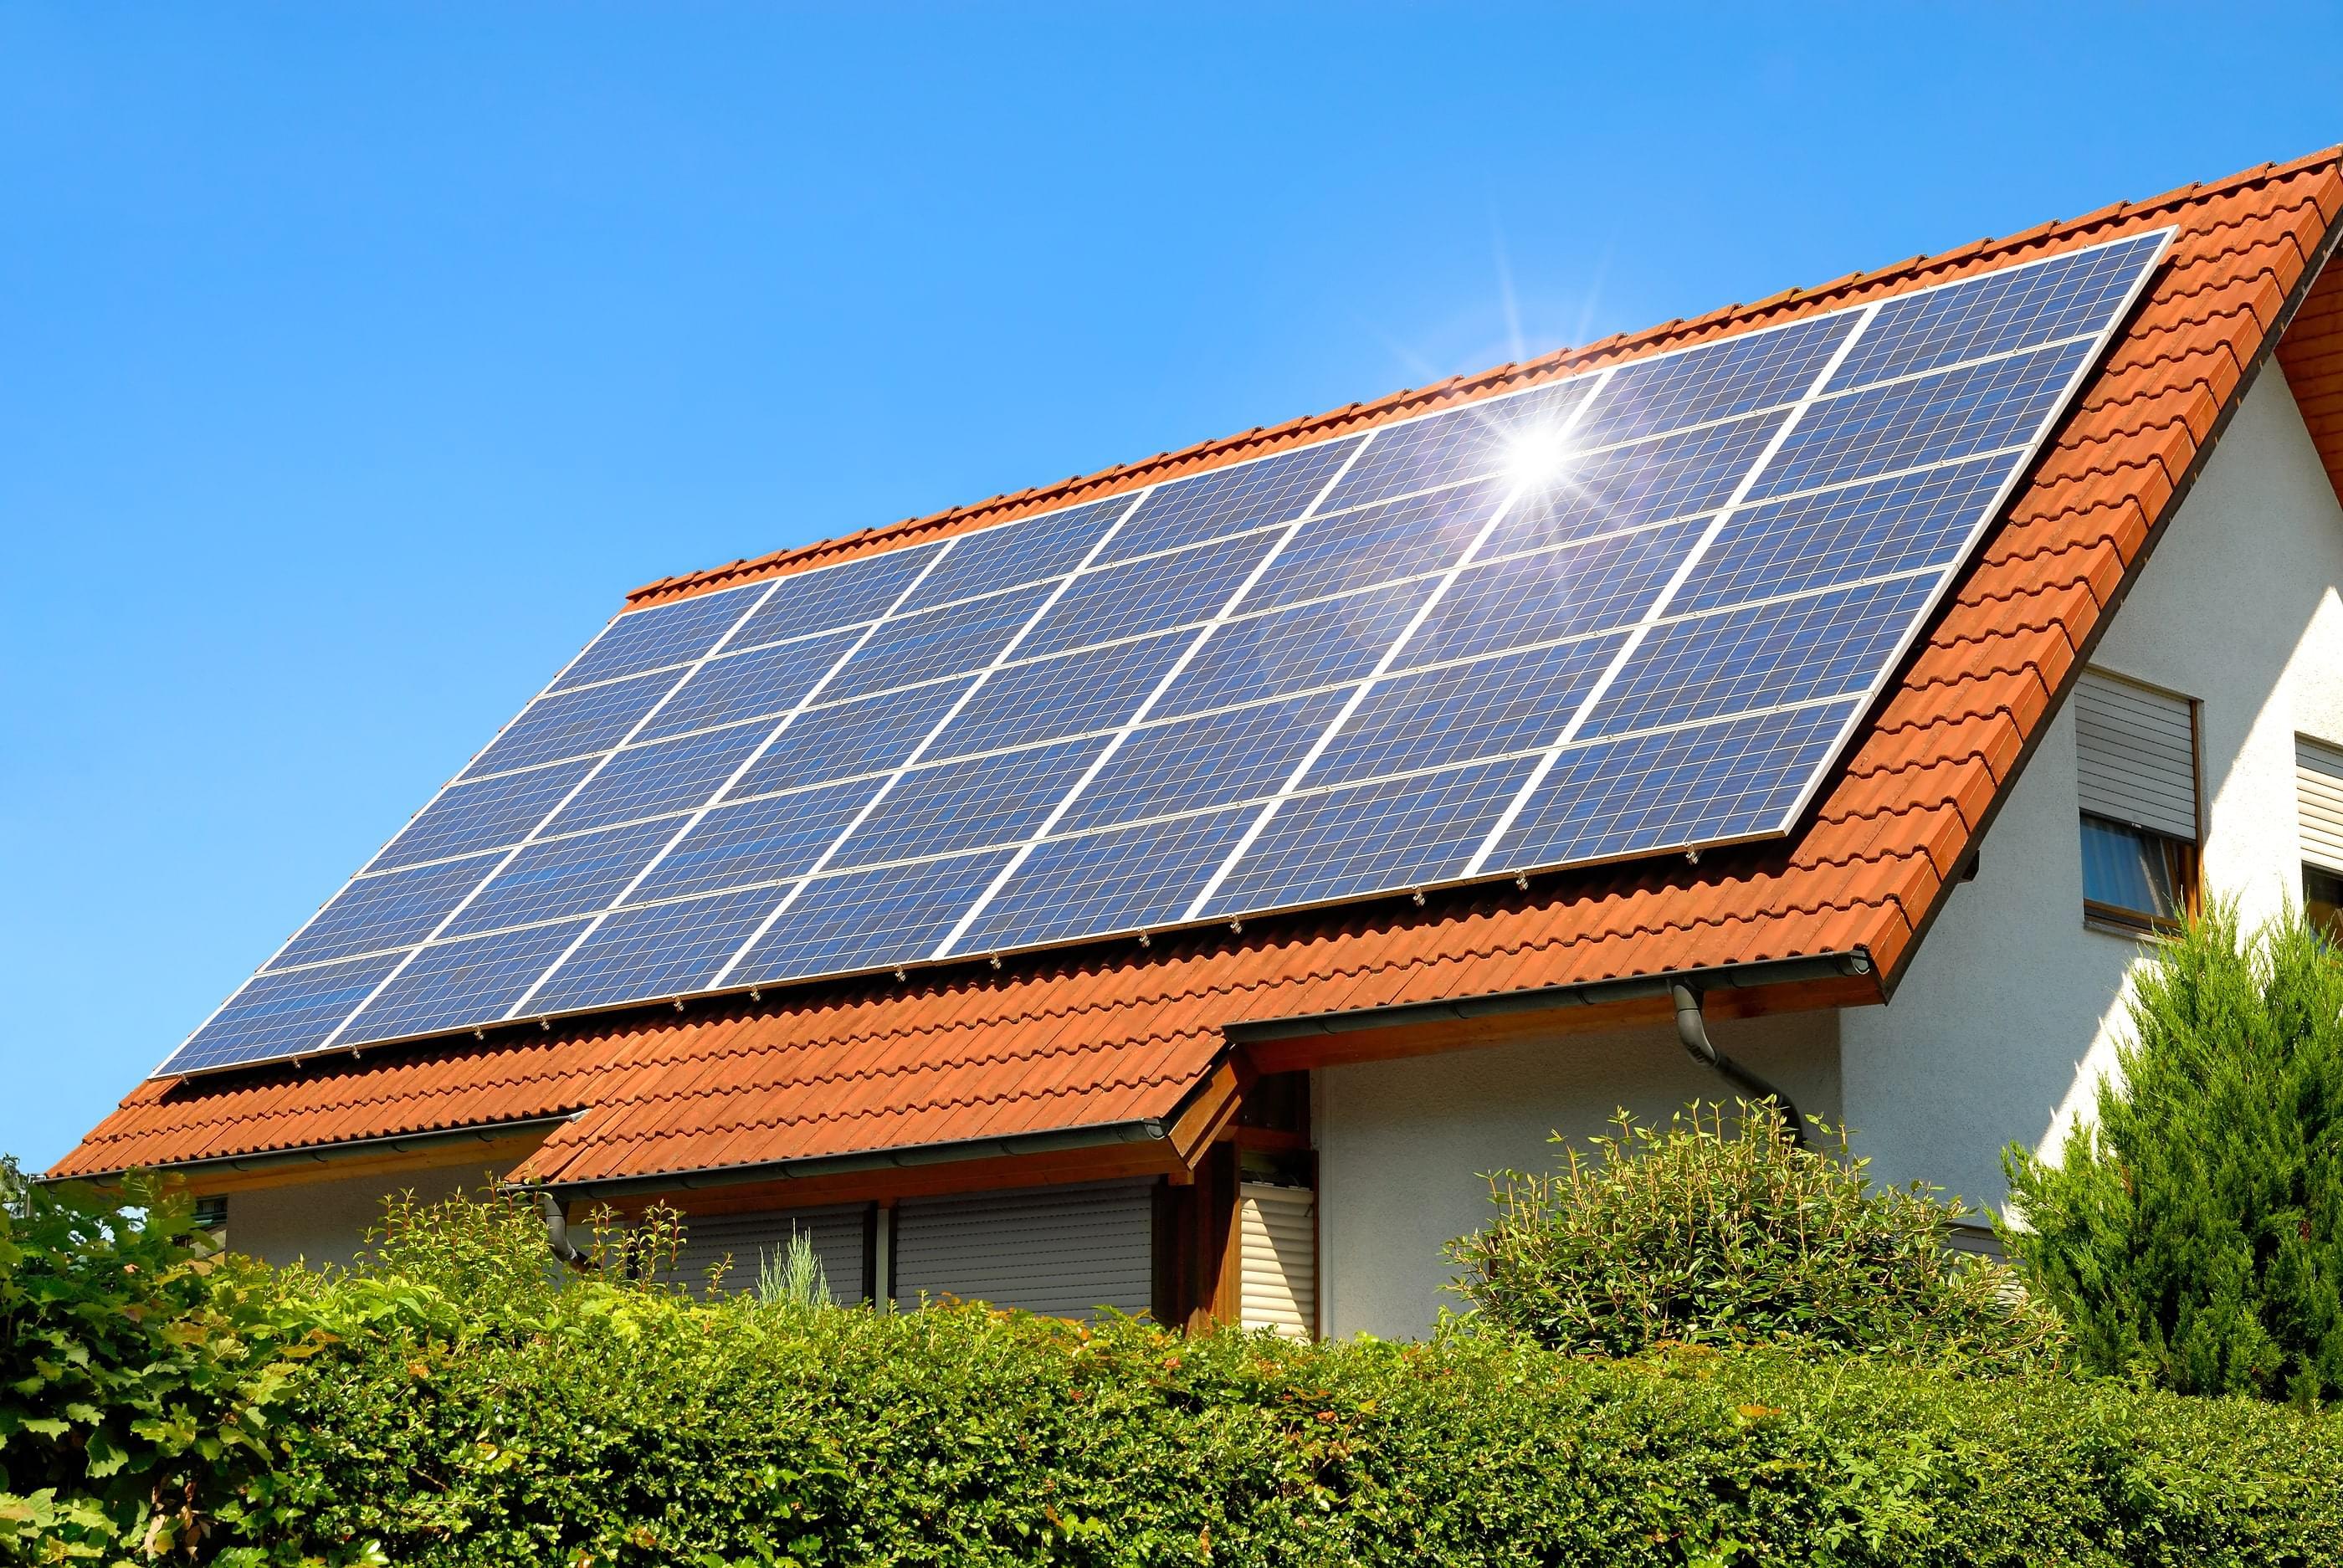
211	1214
2319	795
2135	755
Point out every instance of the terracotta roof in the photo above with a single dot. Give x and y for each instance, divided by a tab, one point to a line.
1086	1038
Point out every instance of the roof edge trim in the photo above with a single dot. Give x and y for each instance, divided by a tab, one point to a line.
2321	256
329	1153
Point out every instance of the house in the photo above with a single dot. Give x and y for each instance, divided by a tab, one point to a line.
2131	692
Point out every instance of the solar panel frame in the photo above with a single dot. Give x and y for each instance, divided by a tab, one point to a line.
1580	392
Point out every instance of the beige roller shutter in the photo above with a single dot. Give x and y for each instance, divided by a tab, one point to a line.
837	1235
2136	750
1278	1253
1062	1251
2319	792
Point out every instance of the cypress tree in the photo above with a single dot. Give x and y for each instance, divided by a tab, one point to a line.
2193	1237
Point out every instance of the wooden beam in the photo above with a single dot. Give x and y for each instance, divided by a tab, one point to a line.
1104	1162
1210	1109
1430	1036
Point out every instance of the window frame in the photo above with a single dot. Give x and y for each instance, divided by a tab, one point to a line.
2185	856
2184	861
2318	870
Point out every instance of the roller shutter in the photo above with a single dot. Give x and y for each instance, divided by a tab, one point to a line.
837	1235
1278	1252
2136	753
1062	1251
2319	790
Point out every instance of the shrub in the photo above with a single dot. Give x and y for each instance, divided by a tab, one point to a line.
595	1421
470	1406
138	1377
2194	1235
1717	1230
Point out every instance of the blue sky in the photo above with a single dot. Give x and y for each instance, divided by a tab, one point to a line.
356	359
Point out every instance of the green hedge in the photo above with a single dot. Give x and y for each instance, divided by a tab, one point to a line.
474	1410
633	1429
462	1404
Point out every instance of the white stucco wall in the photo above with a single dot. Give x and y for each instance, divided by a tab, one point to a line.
2012	1008
327	1221
1402	1145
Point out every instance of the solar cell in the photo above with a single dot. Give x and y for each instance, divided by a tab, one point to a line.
2065	296
1913	520
493	813
1634	610
1378	543
1764	656
1370	838
1668	476
284	1014
761	841
460	984
1737	376
850	593
1470	442
869	918
869	735
956	640
659	637
393	909
1933	419
660	778
1322	643
654	951
762	683
954	806
576	723
1066	694
557	877
1147	595
1454	712
1228	501
1124	879
1028	551
1664	790
1567	591
1239	754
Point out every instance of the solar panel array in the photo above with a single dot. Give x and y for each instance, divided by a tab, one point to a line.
1634	610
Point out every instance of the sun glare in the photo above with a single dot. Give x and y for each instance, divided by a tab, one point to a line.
1536	456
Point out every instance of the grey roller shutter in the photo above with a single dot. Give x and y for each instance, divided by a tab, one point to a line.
1062	1251
2136	750
2318	793
1278	1253
837	1235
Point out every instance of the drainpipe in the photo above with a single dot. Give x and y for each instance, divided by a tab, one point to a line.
557	1229
1694	1031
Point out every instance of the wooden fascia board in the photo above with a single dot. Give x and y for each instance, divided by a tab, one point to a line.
490	1153
1105	1163
1403	1040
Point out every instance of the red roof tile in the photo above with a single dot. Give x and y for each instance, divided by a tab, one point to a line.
1116	1032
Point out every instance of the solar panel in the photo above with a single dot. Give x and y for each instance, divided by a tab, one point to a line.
1634	610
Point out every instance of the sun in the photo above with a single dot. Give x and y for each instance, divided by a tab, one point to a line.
1537	457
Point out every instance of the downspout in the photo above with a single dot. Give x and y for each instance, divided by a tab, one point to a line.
1692	1031
557	1229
